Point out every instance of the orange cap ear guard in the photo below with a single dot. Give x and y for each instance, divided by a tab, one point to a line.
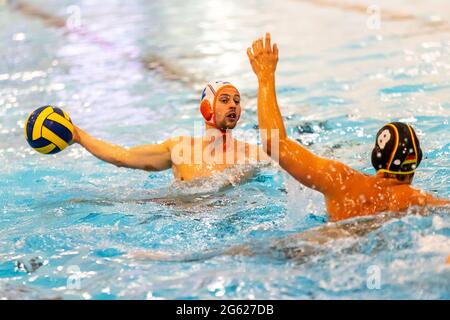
206	110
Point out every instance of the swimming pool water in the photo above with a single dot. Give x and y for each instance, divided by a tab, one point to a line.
134	76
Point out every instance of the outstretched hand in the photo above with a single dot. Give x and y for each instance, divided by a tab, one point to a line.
263	57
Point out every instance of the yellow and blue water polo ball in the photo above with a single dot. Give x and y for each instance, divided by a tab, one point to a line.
49	130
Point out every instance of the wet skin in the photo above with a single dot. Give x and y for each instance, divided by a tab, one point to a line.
214	152
348	193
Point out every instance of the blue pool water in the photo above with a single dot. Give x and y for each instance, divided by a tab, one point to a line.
133	75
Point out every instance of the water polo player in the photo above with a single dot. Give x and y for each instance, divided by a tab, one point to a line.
347	192
189	157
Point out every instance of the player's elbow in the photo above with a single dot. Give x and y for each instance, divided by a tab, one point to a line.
273	146
120	159
118	163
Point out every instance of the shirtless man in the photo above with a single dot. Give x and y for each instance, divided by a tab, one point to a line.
188	157
348	193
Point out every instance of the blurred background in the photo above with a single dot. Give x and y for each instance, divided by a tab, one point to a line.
132	73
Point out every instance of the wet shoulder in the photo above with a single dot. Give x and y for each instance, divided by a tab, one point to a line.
179	140
407	194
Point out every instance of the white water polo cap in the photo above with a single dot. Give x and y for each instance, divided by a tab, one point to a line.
209	98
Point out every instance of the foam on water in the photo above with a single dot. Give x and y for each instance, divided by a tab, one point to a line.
70	216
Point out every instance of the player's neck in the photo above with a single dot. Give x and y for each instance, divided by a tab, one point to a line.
212	131
214	135
391	179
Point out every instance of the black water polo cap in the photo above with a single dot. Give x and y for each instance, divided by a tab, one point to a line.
397	149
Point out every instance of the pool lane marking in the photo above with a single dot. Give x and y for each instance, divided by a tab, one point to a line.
170	70
386	14
360	8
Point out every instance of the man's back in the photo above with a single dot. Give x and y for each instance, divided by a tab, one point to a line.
348	193
366	195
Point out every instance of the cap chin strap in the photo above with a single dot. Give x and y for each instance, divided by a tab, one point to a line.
396	172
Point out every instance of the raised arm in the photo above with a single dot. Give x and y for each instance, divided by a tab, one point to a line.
311	170
152	157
